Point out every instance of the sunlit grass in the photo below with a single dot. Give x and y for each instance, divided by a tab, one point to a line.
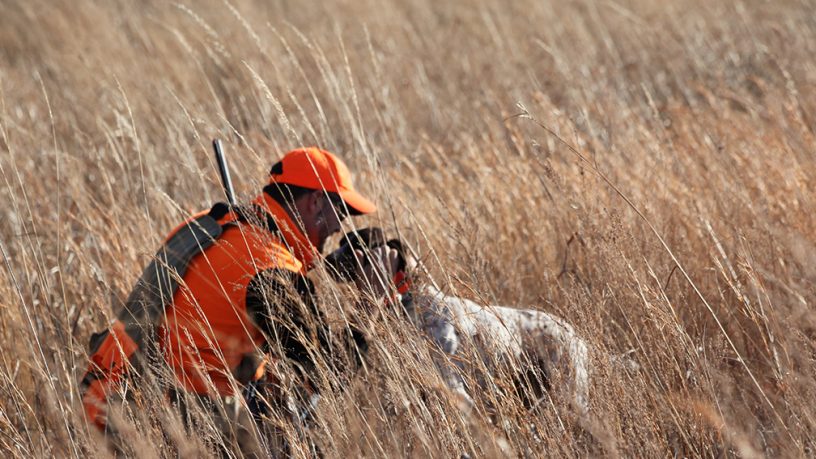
700	113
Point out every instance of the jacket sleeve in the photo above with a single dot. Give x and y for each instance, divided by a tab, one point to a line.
112	355
283	306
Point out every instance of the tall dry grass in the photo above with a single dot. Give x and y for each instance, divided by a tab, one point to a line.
699	113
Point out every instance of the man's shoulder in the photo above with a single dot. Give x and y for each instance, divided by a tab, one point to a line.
265	249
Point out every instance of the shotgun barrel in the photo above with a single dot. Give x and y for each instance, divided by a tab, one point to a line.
223	170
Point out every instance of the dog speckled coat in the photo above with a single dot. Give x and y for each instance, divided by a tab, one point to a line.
524	341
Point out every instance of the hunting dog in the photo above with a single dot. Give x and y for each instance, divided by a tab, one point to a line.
543	353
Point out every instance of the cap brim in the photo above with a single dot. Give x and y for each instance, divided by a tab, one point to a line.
358	205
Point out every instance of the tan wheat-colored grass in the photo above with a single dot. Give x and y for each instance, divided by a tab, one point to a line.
700	113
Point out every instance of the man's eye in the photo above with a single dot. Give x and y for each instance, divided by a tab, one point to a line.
340	208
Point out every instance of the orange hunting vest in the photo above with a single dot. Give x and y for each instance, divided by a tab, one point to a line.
206	335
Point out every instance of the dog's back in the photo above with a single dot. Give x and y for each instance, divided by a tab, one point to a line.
508	336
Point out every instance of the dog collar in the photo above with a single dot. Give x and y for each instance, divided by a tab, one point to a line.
402	282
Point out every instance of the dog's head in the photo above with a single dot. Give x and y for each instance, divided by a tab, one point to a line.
342	264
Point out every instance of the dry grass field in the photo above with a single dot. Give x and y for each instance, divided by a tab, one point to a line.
680	230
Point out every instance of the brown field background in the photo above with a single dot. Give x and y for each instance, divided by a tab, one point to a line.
701	113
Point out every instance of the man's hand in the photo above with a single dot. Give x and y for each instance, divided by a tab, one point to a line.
379	266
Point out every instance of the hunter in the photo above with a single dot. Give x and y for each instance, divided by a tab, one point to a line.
228	293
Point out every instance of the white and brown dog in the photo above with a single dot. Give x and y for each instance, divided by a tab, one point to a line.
543	353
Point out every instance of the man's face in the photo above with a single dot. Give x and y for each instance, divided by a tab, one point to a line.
322	215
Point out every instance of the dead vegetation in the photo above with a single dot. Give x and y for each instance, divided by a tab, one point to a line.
700	113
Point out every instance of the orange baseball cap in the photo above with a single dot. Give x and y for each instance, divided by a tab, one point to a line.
318	169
